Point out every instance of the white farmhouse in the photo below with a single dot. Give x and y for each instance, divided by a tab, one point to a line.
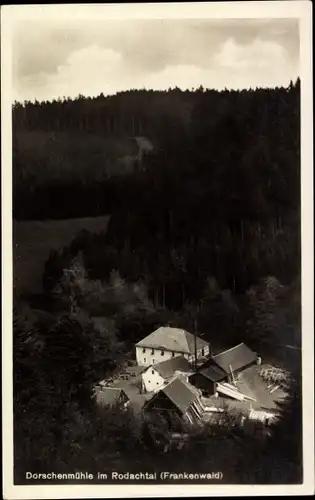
156	376
166	343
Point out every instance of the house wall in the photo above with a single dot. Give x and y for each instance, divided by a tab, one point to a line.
202	383
147	356
152	380
206	352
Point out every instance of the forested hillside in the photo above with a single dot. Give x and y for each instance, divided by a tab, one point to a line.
243	144
204	234
219	197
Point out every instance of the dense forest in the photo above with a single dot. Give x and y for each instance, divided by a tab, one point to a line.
204	233
231	152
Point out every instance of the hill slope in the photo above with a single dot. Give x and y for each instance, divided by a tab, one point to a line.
33	240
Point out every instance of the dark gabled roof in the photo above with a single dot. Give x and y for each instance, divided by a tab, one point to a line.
167	368
213	373
237	357
181	393
109	396
172	339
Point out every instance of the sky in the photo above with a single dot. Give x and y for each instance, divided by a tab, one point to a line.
54	59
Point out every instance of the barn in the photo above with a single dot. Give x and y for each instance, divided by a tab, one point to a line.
206	379
178	401
232	361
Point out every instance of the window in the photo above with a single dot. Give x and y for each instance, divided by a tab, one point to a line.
173	354
162	353
153	361
145	360
152	352
152	372
143	350
202	352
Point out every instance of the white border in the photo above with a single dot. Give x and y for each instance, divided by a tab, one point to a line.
268	9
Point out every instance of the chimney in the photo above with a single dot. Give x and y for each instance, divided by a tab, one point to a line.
210	351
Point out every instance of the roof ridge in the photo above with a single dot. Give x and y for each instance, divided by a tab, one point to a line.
230	349
174	377
171	339
198	336
113	388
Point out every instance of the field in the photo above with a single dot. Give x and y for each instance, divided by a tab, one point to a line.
33	240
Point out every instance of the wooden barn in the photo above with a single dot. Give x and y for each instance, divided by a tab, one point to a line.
232	361
178	402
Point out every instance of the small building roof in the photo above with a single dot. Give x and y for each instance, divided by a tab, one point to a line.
172	339
168	367
213	373
237	357
181	393
109	396
144	143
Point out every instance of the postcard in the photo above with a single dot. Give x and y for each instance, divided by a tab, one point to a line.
157	242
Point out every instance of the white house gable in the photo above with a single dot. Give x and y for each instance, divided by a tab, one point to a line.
152	380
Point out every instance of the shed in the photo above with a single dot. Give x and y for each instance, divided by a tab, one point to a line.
206	379
110	396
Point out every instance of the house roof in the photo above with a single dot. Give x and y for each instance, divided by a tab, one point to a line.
109	396
167	368
181	393
237	357
213	373
172	339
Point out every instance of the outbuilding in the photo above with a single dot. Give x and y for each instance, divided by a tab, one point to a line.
178	401
111	397
233	361
206	379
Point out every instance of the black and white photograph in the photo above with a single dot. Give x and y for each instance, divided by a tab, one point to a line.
157	250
